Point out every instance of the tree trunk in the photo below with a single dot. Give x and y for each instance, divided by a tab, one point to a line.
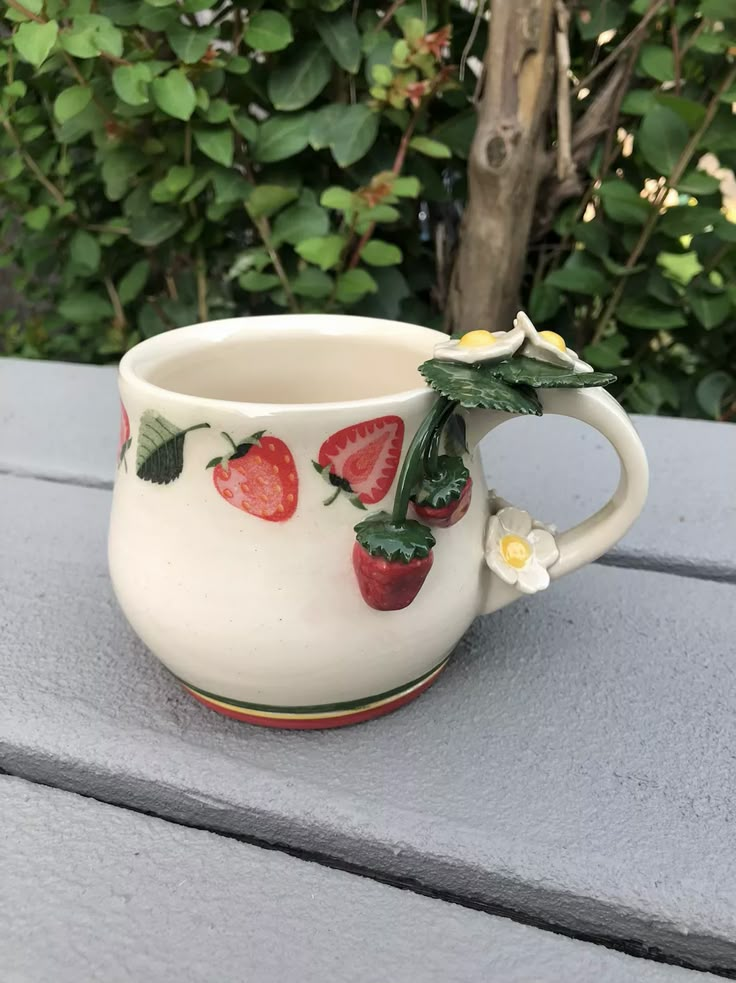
507	159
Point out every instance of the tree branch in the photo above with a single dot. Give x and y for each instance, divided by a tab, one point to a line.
640	29
388	16
565	166
677	171
117	306
264	231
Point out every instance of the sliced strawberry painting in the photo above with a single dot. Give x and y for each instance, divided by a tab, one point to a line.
124	437
259	477
362	460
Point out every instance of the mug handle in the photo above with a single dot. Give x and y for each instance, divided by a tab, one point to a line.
593	536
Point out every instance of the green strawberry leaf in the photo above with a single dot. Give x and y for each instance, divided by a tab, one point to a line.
399	542
543	375
160	450
447	485
213	463
476	386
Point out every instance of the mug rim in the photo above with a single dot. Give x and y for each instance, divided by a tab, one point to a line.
155	351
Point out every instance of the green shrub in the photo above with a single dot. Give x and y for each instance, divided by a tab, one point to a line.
165	162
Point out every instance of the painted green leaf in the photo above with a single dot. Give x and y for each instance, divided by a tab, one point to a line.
268	31
353	285
174	94
34	42
281	137
134	281
473	386
130	83
189	45
661	138
322	251
379	253
544	375
302	220
650	316
155	225
399	542
446	485
295	83
342	40
353	134
160	450
218	145
71	101
430	148
267	199
84	250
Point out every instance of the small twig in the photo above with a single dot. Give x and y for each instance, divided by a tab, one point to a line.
238	30
565	165
387	17
674	34
693	38
264	230
202	310
117	306
171	286
479	10
636	33
398	161
677	171
221	14
30	163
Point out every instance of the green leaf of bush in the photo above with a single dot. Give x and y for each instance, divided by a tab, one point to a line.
651	316
341	37
268	30
174	94
218	145
302	220
85	251
312	283
712	389
190	45
379	253
156	225
134	281
657	61
623	203
71	101
353	133
130	83
429	147
710	309
34	42
353	285
323	251
661	139
281	137
472	386
267	199
295	84
85	308
254	281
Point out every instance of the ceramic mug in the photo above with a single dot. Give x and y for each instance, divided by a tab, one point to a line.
249	450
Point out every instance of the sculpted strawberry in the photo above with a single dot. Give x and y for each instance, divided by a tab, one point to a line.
259	477
443	497
391	560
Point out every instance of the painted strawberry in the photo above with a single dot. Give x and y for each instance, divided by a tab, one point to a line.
124	438
259	477
391	560
361	460
443	497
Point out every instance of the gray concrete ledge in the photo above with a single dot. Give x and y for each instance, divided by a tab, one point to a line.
60	421
90	892
574	764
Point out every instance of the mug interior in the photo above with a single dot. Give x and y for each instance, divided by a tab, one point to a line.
287	360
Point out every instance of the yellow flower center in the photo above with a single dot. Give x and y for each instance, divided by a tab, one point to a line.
516	551
554	339
477	339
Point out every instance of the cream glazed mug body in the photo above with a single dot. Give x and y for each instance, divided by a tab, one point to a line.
240	578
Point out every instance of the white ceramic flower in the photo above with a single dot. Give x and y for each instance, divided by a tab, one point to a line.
548	346
480	346
519	552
